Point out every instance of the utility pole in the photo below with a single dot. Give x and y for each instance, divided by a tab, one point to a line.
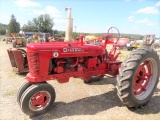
75	28
75	31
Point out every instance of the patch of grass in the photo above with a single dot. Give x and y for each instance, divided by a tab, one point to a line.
9	93
123	55
25	118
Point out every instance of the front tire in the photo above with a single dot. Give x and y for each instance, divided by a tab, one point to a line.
37	99
138	77
21	90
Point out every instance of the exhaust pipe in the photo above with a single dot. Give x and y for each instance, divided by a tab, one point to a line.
69	27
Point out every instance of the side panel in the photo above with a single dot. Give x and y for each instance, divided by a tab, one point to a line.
11	57
18	60
44	57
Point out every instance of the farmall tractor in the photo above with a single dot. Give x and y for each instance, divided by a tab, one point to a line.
137	75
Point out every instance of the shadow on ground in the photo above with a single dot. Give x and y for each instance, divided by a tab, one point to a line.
86	106
153	106
95	104
102	81
23	74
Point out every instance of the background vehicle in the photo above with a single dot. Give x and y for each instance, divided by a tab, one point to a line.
121	43
148	40
156	45
9	39
58	38
134	44
20	41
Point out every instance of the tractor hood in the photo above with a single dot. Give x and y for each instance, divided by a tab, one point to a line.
62	49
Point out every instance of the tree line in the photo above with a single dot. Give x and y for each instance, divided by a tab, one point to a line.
44	23
2	29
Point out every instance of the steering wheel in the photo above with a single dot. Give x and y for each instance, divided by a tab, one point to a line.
117	36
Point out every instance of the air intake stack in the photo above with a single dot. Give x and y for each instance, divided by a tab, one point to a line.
69	26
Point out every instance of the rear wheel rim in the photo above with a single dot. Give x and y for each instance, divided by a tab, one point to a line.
39	101
145	79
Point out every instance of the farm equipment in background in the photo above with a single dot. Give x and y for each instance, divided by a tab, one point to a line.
151	41
156	45
121	43
19	41
38	37
134	44
137	76
58	38
35	38
9	38
44	37
148	40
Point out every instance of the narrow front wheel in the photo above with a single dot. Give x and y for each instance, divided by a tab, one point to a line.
22	90
37	99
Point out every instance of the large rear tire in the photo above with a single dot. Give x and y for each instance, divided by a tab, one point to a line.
37	99
138	77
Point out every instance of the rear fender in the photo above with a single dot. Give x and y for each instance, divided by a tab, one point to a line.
18	60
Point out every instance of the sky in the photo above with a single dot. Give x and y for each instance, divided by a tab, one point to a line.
91	16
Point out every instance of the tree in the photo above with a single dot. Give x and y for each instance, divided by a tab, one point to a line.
43	23
2	31
30	27
13	26
76	34
140	38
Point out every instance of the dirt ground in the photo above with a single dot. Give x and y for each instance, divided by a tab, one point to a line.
74	100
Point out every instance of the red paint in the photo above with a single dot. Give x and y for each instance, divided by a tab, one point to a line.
122	42
39	100
60	61
18	60
142	78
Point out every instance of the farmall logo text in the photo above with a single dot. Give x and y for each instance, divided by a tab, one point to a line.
73	50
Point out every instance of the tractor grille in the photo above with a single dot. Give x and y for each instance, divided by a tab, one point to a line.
33	62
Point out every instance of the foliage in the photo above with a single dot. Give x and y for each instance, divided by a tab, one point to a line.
77	34
13	26
3	25
2	30
41	24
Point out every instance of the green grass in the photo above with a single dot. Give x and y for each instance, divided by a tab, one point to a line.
123	54
10	93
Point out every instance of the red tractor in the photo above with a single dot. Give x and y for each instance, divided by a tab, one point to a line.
137	75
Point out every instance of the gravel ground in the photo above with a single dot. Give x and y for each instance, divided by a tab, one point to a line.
74	100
